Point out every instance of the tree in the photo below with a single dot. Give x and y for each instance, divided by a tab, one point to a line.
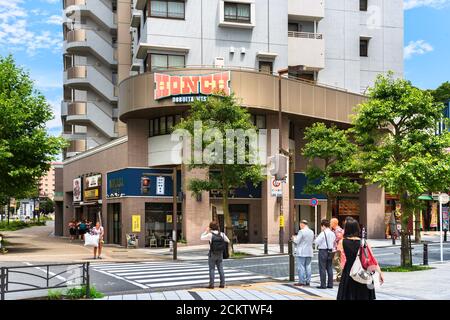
399	150
441	93
26	149
216	120
47	206
335	175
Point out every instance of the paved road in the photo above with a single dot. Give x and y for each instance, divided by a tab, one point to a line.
135	277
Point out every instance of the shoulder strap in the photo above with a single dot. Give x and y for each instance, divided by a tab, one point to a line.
326	240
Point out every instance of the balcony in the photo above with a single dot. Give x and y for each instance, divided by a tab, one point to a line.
306	49
80	41
306	9
136	16
75	147
90	77
82	113
99	10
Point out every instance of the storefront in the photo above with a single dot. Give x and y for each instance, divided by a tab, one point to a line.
137	196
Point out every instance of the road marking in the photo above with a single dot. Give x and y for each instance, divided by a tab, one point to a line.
158	275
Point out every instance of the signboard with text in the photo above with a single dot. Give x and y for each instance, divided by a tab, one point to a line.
136	223
160	185
275	188
186	88
445	218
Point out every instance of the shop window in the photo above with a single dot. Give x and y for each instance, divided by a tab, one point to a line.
237	12
167	9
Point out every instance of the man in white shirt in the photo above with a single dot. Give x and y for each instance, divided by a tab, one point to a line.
325	242
217	246
304	253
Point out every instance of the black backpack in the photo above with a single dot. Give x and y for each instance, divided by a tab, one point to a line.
218	244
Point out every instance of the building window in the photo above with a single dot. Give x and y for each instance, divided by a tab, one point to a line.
237	12
258	120
363	5
163	125
163	61
167	9
363	47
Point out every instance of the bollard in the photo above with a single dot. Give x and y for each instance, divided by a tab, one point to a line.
291	261
425	254
266	246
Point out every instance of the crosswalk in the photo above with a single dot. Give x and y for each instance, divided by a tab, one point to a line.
151	275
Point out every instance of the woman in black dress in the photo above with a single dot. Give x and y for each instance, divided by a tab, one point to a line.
349	289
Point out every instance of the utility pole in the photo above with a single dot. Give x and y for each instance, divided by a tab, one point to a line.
174	213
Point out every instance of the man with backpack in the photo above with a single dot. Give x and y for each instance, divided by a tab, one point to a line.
218	245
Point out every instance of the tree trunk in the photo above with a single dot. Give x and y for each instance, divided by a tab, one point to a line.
9	209
406	256
329	208
417	237
228	227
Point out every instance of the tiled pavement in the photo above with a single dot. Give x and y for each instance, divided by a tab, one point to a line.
256	291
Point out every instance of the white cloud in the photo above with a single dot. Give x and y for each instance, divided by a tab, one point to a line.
418	47
17	35
437	4
54	19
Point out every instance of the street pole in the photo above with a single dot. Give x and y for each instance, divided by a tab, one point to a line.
315	223
280	146
174	214
280	150
441	221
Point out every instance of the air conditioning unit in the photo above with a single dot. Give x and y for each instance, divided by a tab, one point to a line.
219	62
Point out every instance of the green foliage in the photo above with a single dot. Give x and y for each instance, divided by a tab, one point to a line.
335	173
405	269
47	205
26	149
54	295
395	129
441	93
75	293
217	115
17	225
239	255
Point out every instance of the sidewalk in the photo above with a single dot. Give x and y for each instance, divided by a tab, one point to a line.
419	285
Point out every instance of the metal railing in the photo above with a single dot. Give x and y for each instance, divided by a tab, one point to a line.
305	35
50	279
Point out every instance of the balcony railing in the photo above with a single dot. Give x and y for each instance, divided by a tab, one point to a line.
305	35
77	146
79	72
77	108
76	35
68	3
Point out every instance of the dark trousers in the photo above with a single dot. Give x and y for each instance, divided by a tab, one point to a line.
325	268
213	261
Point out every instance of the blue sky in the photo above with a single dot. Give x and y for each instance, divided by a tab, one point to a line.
31	30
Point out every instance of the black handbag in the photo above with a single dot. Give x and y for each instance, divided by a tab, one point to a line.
226	254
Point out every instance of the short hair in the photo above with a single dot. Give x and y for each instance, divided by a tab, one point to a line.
325	223
214	225
304	222
351	228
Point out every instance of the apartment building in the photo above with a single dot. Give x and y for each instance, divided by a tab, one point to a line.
47	182
170	52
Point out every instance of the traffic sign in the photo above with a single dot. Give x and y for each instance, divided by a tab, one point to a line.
444	198
314	202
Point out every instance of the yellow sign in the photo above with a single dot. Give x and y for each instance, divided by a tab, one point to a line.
136	223
169	218
281	221
91	194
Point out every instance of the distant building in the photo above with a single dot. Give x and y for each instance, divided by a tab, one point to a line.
47	183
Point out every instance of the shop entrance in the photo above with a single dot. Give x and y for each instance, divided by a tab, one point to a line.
239	218
115	223
158	224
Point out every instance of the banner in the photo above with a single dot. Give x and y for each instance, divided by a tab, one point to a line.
445	218
76	190
135	223
93	181
434	215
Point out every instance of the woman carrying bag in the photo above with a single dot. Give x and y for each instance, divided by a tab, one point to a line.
349	289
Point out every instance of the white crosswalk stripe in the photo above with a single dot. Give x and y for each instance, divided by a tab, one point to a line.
149	275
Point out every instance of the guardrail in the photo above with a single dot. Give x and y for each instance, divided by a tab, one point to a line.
78	272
